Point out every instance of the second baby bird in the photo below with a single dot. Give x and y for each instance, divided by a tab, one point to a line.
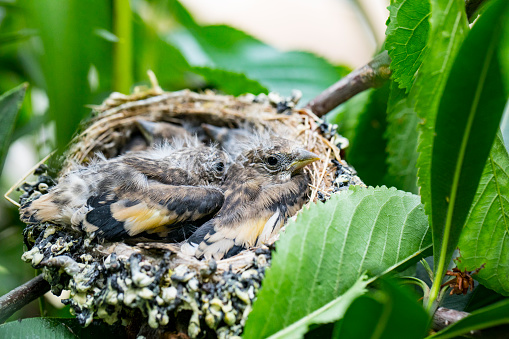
156	191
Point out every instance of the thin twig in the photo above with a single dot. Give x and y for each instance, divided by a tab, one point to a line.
22	295
373	74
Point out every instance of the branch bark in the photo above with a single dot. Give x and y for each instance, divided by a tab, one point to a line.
22	295
373	74
444	317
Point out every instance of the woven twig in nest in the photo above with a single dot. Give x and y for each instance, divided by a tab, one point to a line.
171	291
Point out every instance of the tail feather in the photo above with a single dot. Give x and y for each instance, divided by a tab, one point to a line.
40	210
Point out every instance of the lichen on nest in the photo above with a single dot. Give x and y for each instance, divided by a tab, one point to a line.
131	281
154	281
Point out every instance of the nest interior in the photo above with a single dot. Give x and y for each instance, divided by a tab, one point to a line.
154	281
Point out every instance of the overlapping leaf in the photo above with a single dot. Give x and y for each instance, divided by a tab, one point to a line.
330	246
449	28
464	132
407	36
485	237
329	313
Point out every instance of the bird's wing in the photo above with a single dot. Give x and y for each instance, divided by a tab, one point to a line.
160	171
213	240
153	210
241	224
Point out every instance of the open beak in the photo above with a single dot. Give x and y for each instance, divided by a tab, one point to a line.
302	158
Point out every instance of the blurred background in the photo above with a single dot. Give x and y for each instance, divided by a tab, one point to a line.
74	53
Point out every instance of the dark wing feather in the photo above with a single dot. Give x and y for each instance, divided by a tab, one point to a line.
158	209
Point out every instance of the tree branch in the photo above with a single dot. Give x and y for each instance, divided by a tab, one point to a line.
22	295
373	74
444	317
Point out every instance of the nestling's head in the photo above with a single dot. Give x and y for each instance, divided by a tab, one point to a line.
277	159
208	162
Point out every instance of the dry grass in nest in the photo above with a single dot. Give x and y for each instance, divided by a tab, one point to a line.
114	122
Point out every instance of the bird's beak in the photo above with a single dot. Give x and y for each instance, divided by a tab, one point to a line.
147	128
303	158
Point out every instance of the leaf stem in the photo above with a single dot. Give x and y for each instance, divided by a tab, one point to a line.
122	51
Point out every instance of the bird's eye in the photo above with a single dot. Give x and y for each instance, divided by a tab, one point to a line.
219	166
272	161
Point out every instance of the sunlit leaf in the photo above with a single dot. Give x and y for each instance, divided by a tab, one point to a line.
407	36
329	313
323	253
449	28
464	132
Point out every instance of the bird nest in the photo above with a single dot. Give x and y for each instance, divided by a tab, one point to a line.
152	287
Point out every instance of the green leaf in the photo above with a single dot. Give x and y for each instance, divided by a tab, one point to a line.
10	103
367	151
387	313
50	328
494	315
173	71
485	237
226	48
13	37
230	82
154	53
464	133
66	56
329	313
331	245
401	135
407	36
481	297
449	28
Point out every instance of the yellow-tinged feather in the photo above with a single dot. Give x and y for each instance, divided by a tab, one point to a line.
140	217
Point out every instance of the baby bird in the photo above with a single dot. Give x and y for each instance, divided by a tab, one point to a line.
154	191
232	140
262	189
157	132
